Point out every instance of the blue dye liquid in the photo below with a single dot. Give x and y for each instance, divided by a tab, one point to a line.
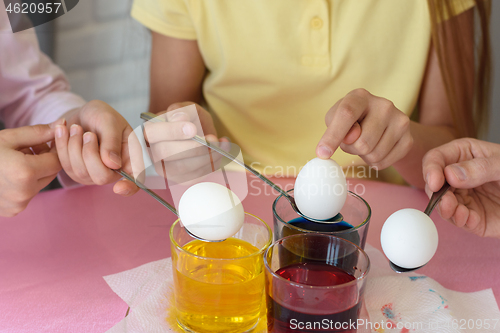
303	223
300	222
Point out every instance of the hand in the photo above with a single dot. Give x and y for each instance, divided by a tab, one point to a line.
27	165
174	155
472	167
369	126
96	142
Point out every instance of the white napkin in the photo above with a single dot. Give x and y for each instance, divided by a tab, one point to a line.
397	299
147	289
422	304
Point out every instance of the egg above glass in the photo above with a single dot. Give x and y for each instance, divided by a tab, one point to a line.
320	189
211	211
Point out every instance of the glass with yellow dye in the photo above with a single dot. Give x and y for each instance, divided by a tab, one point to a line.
219	287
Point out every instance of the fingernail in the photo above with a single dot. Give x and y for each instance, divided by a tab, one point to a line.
325	152
427	178
87	137
73	129
177	115
115	158
459	172
57	122
123	192
59	131
188	130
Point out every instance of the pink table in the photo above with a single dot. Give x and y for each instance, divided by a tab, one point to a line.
53	255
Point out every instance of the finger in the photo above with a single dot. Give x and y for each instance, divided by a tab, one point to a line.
353	134
435	161
200	117
352	108
133	156
27	151
171	131
396	135
125	188
98	172
448	205
175	150
373	127
187	177
111	139
43	182
473	223
473	173
62	140
399	151
188	165
178	105
461	216
40	149
44	165
75	146
28	136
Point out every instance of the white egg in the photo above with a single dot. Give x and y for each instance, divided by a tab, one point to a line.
320	189
409	238
211	211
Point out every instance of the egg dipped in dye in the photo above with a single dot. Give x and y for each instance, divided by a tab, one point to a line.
211	211
320	189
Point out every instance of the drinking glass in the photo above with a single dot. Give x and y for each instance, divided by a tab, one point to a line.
219	286
314	282
354	227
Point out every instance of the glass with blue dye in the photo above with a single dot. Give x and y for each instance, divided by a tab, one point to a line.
353	228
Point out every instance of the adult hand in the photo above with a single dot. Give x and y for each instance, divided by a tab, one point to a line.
472	167
369	126
174	155
96	142
27	165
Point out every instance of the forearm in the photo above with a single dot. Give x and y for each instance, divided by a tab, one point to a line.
425	138
161	104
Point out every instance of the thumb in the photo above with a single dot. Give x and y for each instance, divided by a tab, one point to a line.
473	173
110	141
28	136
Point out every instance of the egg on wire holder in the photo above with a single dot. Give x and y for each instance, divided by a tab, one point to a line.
409	237
160	200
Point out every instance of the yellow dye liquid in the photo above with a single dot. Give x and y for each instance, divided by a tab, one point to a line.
214	295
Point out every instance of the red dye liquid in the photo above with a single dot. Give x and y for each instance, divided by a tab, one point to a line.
298	316
315	274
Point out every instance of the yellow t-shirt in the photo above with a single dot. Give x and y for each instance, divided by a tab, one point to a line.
275	67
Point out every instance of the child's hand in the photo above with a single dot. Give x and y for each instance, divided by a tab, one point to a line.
472	167
369	126
174	155
27	165
88	157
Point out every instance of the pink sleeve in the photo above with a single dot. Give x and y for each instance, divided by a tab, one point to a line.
32	89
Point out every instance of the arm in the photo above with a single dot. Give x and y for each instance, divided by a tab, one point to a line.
177	72
436	126
373	128
32	89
